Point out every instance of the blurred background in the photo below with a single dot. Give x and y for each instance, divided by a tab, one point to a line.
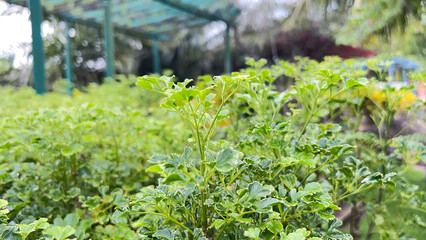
271	29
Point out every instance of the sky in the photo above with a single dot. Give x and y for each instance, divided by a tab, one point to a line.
15	30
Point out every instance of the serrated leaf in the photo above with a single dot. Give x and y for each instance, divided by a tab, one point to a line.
217	223
73	192
256	190
252	233
274	226
59	232
9	233
26	229
281	191
172	178
313	187
264	203
227	160
166	233
55	194
289	180
3	212
296	195
300	234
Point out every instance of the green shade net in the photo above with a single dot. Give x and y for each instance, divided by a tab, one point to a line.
157	19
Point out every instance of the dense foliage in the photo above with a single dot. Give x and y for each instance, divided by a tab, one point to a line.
229	157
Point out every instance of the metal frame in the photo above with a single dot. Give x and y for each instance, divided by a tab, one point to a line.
108	29
108	40
38	48
156	57
197	12
68	59
228	53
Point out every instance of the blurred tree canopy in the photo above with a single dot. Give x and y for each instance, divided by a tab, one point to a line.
351	21
380	18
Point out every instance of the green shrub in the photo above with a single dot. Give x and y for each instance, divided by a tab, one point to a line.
230	158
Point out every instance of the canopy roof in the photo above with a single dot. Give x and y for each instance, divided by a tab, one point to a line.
155	19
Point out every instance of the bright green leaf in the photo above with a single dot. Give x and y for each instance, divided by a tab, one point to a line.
60	233
252	233
155	169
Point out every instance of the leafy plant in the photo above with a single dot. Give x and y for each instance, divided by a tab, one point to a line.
231	157
272	183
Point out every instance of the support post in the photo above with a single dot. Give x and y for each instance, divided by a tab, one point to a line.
228	54
108	40
38	48
68	59
156	57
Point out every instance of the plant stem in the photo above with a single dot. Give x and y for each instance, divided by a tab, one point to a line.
114	138
383	170
299	214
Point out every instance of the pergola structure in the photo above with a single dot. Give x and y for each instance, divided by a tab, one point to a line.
153	19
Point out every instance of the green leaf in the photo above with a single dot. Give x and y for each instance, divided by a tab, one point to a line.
267	202
3	203
26	229
282	191
244	220
155	83
172	178
144	84
289	180
166	233
155	169
73	192
227	160
217	223
359	82
3	212
86	224
296	195
186	94
252	233
274	226
313	187
300	234
72	219
74	148
347	172
334	78
55	194
256	190
60	233
9	233
210	97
